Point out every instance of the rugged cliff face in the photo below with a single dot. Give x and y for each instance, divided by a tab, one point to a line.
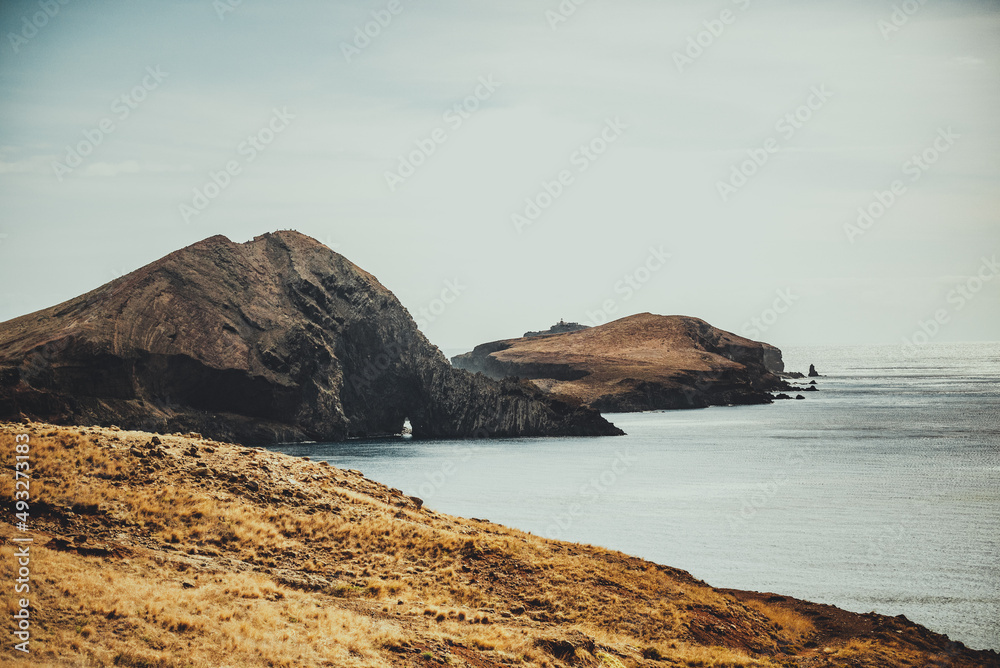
642	362
278	339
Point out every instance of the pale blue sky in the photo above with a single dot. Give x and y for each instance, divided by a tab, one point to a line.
885	97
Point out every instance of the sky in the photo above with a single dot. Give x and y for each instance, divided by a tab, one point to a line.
803	173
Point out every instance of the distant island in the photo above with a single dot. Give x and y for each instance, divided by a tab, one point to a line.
641	362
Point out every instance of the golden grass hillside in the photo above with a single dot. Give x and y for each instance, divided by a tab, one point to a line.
157	551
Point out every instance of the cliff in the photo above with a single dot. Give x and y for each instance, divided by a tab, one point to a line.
642	362
275	340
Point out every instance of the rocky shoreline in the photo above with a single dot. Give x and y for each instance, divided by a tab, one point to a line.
638	363
275	340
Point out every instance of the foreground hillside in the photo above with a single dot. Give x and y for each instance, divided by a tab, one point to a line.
274	340
160	551
641	362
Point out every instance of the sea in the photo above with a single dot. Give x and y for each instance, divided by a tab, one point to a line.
879	492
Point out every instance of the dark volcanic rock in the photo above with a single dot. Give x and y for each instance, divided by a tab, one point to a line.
812	372
560	327
278	339
637	363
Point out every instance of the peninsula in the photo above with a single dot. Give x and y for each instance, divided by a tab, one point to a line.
279	339
642	362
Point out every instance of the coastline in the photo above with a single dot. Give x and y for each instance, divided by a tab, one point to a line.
289	558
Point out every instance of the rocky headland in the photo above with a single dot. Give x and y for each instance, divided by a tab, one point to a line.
641	362
278	339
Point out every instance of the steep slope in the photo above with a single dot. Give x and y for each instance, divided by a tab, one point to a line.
277	339
178	551
641	362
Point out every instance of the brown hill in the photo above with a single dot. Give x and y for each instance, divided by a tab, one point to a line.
277	339
641	362
171	551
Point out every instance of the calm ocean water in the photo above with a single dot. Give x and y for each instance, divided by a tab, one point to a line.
880	492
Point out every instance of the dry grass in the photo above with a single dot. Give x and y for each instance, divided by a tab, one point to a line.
143	611
242	557
796	626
